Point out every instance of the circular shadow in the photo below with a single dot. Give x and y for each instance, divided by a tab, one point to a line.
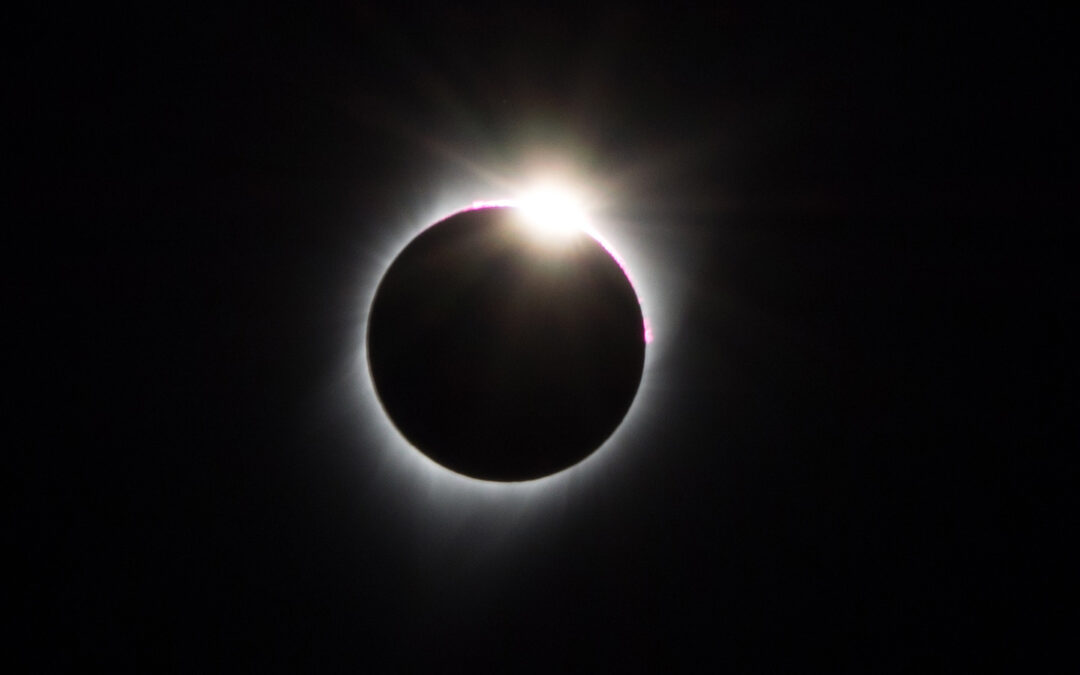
503	354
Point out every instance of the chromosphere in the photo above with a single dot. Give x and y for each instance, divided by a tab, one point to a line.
501	352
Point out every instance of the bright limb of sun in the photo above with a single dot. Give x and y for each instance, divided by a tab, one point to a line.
554	212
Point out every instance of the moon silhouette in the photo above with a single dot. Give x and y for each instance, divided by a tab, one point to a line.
503	353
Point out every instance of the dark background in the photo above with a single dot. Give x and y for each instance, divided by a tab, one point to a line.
855	458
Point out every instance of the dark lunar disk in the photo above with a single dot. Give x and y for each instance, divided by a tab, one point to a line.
503	355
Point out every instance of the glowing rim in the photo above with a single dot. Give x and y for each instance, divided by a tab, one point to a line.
410	469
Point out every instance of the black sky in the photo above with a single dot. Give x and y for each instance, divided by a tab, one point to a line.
854	461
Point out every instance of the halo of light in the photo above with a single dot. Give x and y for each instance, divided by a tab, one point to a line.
402	467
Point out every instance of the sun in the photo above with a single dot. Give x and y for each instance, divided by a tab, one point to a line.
554	213
557	211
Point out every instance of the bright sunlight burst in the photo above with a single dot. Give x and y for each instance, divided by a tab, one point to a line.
555	213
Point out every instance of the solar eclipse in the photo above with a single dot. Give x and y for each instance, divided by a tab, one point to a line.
506	342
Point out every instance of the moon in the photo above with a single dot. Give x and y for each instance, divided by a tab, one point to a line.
506	343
